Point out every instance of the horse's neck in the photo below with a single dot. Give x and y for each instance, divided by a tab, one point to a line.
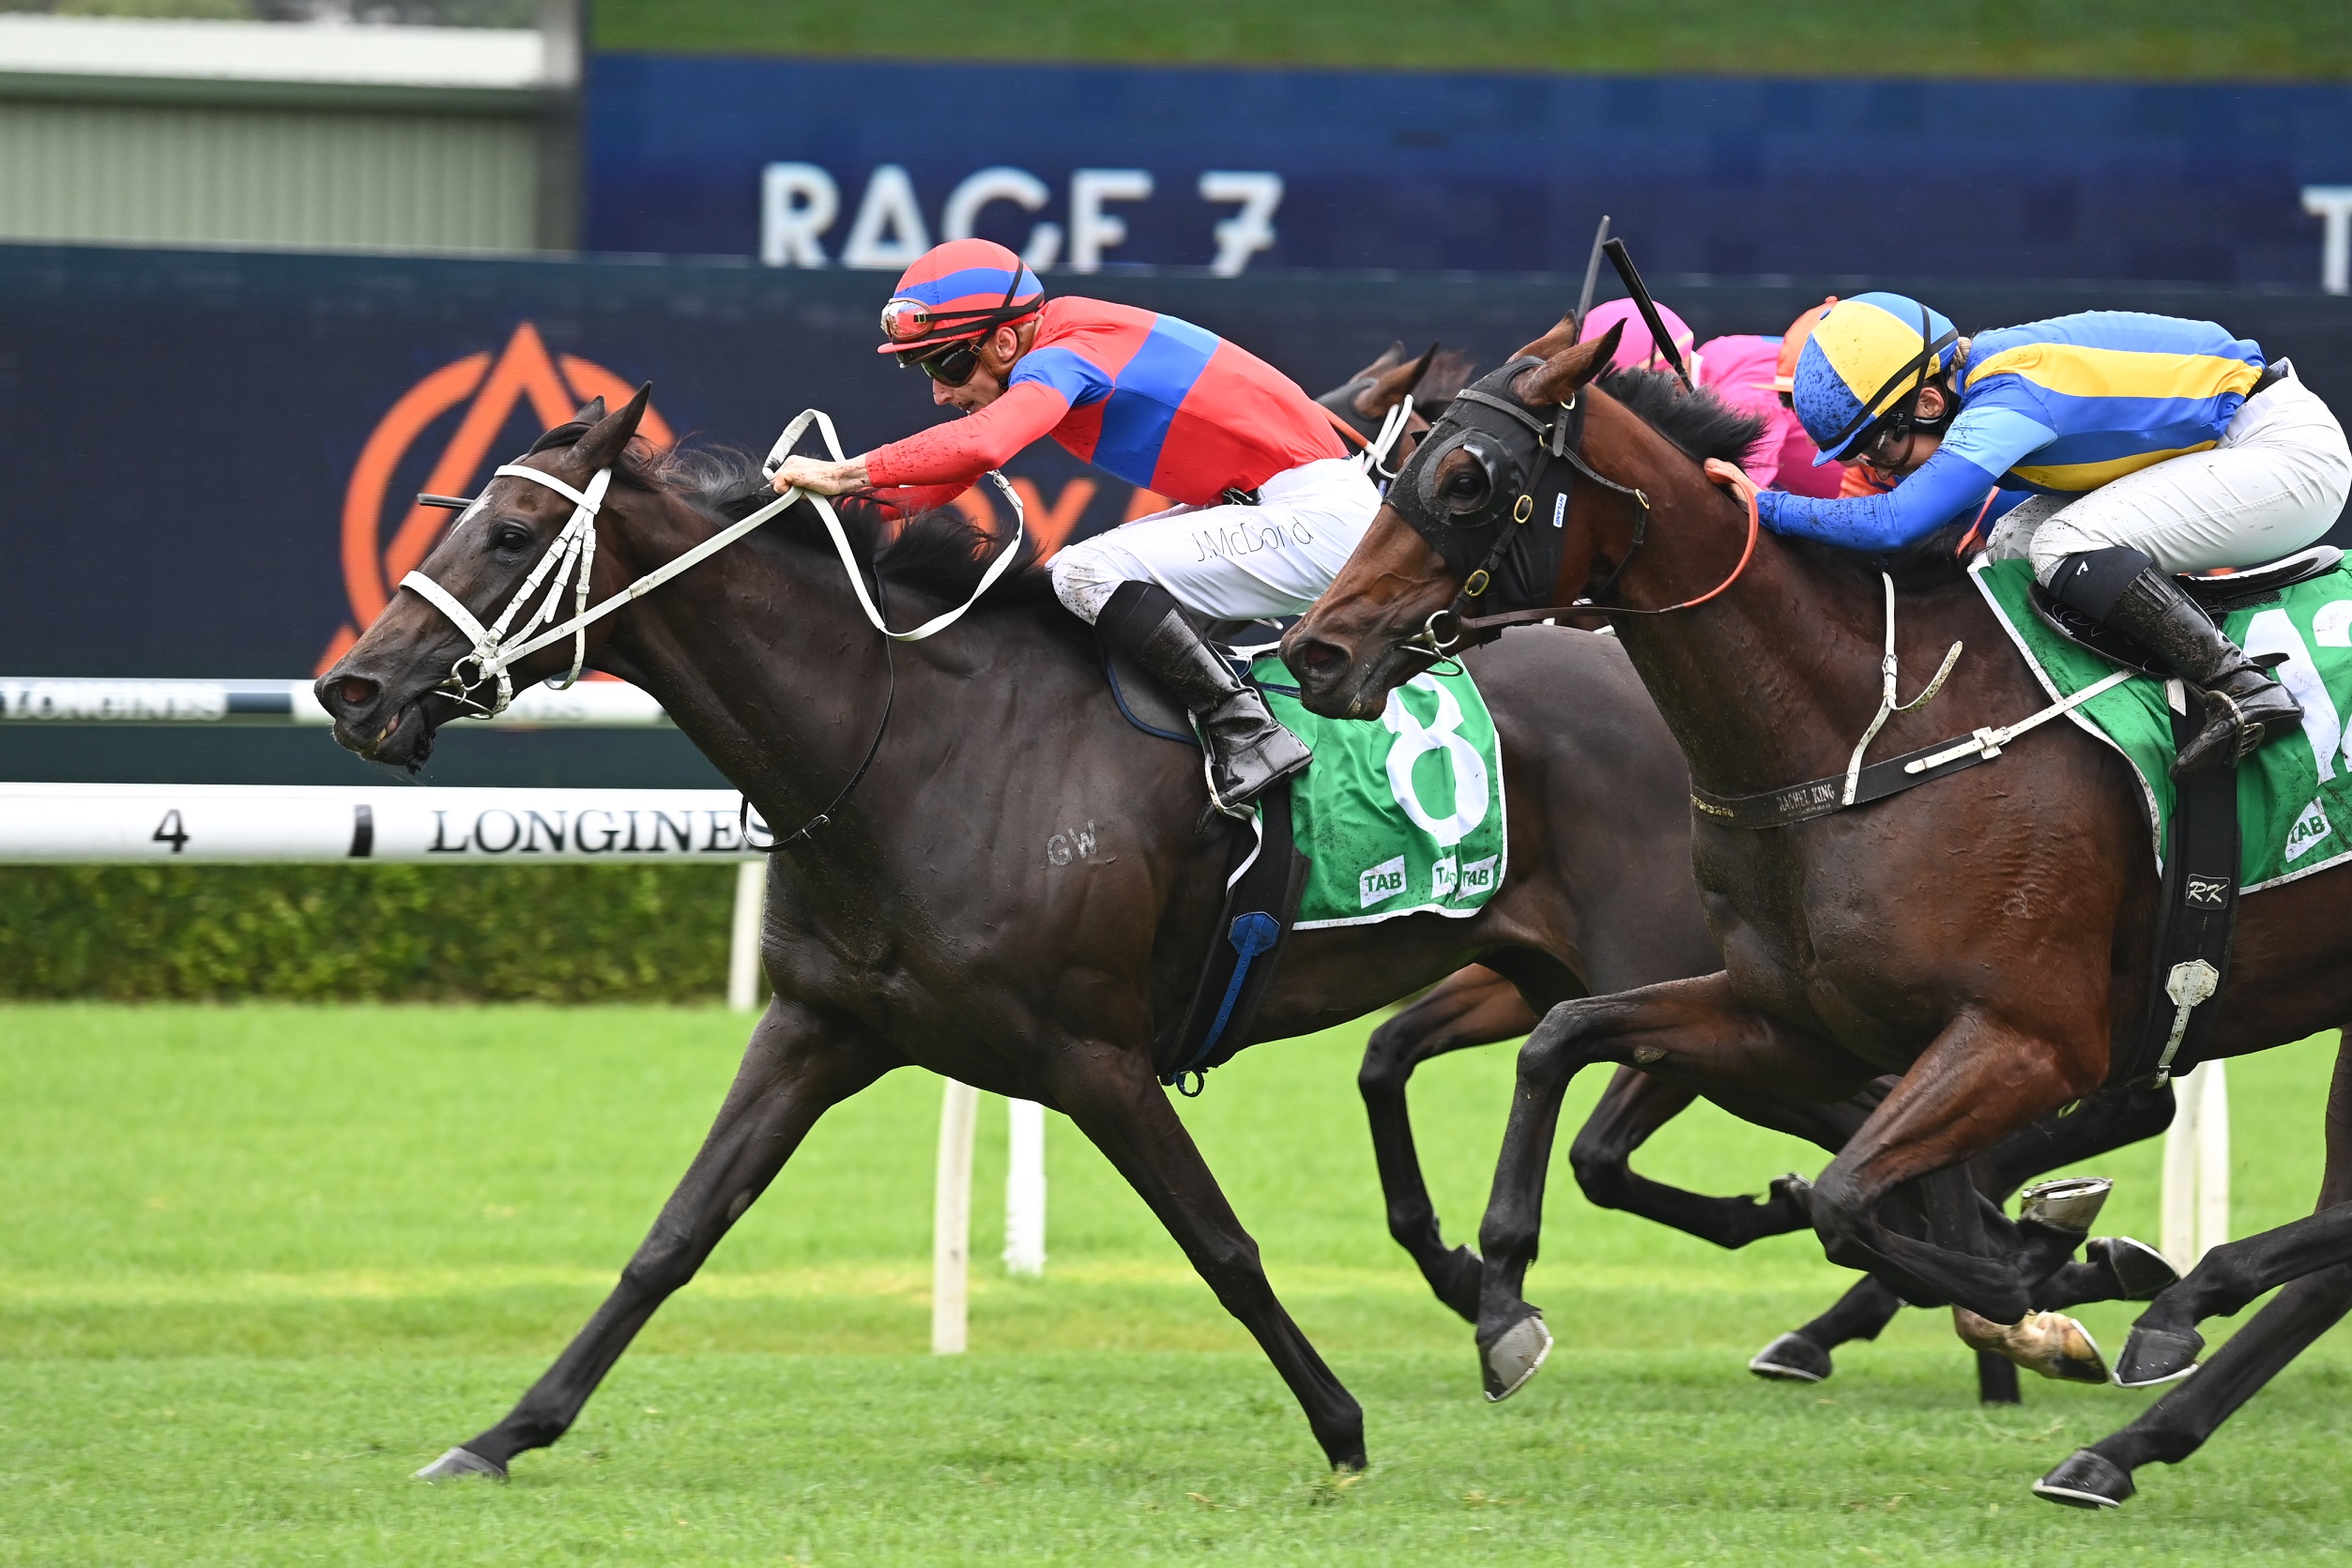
1772	683
763	659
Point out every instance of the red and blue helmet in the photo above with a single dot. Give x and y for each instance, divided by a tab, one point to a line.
961	289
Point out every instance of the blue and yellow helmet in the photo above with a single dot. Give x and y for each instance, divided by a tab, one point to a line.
1868	354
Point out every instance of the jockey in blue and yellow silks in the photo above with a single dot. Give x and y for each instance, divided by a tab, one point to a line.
2151	445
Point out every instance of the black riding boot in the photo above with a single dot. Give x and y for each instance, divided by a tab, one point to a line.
2243	705
1249	750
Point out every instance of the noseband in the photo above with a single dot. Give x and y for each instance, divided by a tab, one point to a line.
1515	444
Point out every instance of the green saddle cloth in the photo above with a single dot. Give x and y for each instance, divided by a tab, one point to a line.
1400	817
2293	795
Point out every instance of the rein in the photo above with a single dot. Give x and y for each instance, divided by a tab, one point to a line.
572	558
572	555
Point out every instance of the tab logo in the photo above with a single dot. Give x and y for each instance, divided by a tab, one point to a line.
1479	876
2311	826
1443	876
1382	882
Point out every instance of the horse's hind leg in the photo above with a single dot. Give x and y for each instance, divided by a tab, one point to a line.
1802	1354
1112	1096
794	1071
2311	1257
1636	1104
1474	1005
1688	1030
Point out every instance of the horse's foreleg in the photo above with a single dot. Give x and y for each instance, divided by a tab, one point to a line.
2311	1257
1688	1031
1474	1005
1978	1083
1111	1095
792	1072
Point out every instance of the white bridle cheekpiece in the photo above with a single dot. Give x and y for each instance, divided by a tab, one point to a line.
572	558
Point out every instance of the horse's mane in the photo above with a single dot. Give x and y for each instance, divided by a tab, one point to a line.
939	553
1704	426
1700	422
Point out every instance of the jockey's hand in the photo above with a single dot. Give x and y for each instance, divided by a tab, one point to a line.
820	476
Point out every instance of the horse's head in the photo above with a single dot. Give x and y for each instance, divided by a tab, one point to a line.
417	667
1534	489
1465	490
1364	401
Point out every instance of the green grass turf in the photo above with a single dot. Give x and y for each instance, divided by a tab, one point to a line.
259	1263
2285	40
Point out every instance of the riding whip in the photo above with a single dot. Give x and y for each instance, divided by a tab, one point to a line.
1648	306
1592	276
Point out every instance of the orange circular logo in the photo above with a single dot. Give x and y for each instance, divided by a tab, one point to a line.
556	386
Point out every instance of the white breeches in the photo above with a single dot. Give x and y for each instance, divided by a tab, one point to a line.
1231	563
2274	483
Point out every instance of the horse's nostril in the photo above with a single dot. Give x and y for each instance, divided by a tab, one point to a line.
1319	656
355	691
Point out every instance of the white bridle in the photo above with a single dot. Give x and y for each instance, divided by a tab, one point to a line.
570	560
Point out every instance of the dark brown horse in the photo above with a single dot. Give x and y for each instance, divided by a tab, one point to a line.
930	922
1986	935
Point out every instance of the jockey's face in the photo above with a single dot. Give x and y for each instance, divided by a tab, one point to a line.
1003	348
1898	457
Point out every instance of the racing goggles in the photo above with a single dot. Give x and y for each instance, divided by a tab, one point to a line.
949	366
912	324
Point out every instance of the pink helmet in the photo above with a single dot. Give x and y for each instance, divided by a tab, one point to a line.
1635	350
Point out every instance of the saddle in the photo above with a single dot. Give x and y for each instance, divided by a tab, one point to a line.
1263	885
2197	912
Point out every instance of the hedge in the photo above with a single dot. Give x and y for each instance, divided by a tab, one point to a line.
410	933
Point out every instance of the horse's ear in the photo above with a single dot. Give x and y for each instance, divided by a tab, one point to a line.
1388	389
590	412
1551	343
1565	371
602	446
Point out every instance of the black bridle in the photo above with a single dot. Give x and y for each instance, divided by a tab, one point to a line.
1484	534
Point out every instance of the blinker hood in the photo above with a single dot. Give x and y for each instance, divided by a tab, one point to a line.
1513	448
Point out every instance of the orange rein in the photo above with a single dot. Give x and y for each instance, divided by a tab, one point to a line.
1733	475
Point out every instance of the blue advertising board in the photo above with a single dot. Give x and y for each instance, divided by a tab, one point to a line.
216	454
862	165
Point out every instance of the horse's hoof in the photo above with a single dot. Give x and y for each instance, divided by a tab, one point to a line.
2141	1272
459	1463
1514	1356
2068	1203
1792	1359
2153	1356
2087	1480
1794	1191
2050	1342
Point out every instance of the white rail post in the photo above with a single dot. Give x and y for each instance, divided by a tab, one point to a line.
742	955
2197	1167
951	1221
1025	1188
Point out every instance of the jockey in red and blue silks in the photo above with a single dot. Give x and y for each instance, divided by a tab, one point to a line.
1269	504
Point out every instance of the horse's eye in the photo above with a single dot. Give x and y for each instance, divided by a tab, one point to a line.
509	537
1468	487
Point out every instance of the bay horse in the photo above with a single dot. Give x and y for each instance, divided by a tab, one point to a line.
926	920
1986	935
1480	1006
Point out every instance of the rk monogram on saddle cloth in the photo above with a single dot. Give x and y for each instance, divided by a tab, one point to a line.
2295	795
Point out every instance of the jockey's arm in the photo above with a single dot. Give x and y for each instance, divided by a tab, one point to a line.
933	467
1983	445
